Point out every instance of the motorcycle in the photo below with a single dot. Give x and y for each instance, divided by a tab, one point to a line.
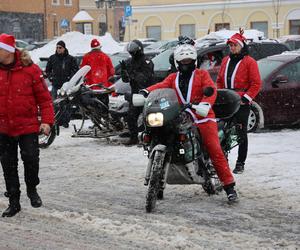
75	92
173	143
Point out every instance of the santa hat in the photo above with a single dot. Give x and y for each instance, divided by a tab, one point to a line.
237	38
95	44
7	42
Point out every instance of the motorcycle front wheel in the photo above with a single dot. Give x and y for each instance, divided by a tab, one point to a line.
154	182
46	140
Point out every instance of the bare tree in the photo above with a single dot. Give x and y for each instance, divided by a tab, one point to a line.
276	7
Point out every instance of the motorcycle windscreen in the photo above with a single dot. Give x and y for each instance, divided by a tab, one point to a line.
77	78
164	101
227	103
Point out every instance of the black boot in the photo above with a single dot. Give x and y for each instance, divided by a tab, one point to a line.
231	193
34	197
239	167
13	208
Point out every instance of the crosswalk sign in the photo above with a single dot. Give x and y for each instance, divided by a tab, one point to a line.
64	23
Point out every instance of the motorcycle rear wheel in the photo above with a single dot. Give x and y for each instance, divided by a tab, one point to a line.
154	183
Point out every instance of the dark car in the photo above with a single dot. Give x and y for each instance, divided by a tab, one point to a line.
292	41
278	103
215	51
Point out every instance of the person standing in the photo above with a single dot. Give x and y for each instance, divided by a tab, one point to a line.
239	72
138	71
23	96
60	68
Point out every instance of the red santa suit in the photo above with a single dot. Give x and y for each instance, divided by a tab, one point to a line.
101	68
206	125
245	78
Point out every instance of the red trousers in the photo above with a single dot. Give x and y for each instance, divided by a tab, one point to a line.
210	139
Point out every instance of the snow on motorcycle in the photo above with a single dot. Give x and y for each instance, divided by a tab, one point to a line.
75	92
173	143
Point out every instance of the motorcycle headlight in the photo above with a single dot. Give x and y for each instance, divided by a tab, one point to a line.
155	119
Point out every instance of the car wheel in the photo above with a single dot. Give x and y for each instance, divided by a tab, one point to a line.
253	119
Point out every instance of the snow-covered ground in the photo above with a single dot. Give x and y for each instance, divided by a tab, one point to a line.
94	198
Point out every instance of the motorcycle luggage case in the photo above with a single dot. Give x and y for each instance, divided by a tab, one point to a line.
227	103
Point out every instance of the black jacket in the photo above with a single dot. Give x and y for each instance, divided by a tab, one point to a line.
60	68
140	73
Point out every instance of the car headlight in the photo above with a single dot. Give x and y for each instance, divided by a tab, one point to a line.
155	119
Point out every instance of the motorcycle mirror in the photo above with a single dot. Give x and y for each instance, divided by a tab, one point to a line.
208	91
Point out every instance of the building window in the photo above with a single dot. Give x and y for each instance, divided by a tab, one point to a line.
187	30
261	26
55	2
68	2
153	32
295	27
55	28
222	26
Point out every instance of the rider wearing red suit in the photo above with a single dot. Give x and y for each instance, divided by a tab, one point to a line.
101	66
240	72
101	70
189	84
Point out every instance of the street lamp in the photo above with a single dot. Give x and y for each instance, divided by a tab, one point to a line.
105	3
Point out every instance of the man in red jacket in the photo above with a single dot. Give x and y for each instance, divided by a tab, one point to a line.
189	84
240	72
101	68
23	94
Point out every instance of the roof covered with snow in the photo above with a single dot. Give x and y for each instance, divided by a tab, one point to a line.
82	16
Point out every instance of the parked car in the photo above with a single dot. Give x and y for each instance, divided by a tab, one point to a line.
278	103
20	44
158	47
216	51
292	41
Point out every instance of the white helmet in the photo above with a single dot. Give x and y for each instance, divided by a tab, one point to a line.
185	51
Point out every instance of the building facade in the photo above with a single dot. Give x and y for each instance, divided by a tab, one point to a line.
195	18
37	19
107	17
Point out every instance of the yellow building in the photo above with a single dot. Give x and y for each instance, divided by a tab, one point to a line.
167	19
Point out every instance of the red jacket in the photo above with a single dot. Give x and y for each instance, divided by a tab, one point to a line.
245	78
199	80
23	92
101	67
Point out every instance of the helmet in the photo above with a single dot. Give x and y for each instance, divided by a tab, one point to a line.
185	51
135	47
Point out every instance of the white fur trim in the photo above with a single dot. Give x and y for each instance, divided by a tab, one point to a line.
240	42
234	73
225	77
248	97
188	98
7	47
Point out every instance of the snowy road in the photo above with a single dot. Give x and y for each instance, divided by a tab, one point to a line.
94	198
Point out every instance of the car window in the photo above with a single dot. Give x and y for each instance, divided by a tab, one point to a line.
292	71
161	61
169	45
266	67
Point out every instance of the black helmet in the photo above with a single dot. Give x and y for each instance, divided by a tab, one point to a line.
135	47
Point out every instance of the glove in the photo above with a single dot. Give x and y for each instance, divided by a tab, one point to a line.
245	100
144	92
124	75
123	64
128	97
202	108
